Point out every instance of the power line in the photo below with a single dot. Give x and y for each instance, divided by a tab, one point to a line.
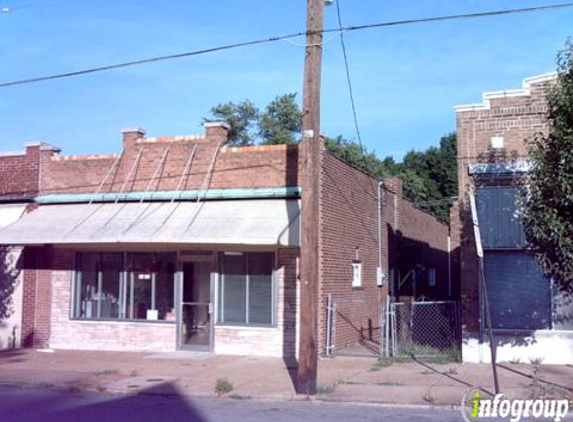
454	17
283	37
8	9
349	79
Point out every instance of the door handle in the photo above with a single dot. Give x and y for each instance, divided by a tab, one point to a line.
210	308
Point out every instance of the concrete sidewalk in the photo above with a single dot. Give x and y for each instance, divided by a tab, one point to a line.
195	374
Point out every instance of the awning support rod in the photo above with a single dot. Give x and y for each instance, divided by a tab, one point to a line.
87	214
148	188
179	190
205	187
185	174
133	167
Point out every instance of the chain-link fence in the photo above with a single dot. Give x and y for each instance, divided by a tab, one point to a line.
424	329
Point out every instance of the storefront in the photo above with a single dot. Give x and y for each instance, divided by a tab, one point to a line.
225	283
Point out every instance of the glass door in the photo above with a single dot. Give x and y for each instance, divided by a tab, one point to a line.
195	325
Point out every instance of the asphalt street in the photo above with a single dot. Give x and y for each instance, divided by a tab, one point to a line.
43	405
35	405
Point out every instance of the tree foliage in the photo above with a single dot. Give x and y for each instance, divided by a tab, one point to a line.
430	177
281	122
548	204
242	117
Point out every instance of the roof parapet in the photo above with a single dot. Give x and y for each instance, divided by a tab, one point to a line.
525	90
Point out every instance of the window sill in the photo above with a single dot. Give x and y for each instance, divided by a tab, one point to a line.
121	321
357	288
246	327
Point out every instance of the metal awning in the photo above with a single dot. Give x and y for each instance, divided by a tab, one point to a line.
10	213
236	222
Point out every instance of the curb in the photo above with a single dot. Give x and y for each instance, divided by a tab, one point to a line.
292	399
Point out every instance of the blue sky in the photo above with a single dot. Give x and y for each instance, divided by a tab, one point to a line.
406	78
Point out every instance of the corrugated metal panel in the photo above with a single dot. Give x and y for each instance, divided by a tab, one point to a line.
242	222
499	218
519	293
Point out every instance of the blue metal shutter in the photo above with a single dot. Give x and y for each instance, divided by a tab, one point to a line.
500	218
519	293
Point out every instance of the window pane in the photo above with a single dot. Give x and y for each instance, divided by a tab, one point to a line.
164	287
111	267
234	289
141	278
152	278
87	286
261	288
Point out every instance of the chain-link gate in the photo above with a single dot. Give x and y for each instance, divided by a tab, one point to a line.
424	329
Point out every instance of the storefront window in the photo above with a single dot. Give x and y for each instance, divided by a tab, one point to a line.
246	289
140	289
151	293
98	286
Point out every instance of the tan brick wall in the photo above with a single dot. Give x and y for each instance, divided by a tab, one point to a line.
279	341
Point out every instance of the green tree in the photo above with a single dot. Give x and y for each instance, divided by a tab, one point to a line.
548	203
281	122
430	177
242	117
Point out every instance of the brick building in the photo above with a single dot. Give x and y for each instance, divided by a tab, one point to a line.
19	185
186	243
529	318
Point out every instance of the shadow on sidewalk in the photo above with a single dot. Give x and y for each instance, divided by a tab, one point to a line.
163	402
12	356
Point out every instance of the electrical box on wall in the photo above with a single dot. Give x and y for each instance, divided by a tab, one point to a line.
381	276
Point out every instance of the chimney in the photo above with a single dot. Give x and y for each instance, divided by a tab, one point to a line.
218	131
130	136
394	184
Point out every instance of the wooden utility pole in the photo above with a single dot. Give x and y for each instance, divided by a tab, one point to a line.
310	183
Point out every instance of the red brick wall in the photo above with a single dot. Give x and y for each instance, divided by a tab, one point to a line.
38	265
515	115
19	173
349	230
244	167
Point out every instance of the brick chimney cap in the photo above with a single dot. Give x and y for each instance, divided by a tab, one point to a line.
44	146
225	125
133	129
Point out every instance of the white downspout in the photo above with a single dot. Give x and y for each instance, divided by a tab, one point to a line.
379	269
449	267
